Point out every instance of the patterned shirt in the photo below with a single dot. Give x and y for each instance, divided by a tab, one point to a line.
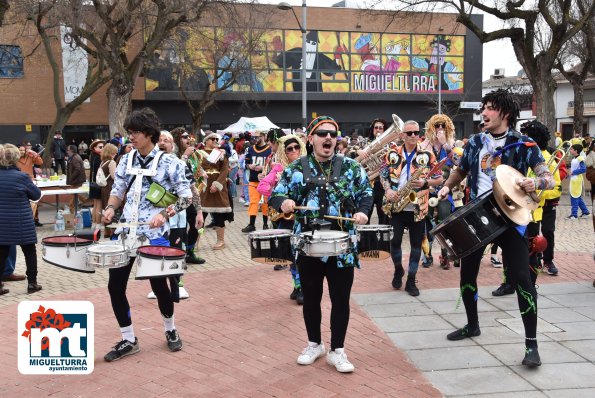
170	174
351	194
520	157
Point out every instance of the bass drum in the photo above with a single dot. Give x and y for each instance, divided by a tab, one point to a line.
471	227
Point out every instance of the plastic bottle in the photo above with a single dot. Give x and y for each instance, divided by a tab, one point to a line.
59	222
79	221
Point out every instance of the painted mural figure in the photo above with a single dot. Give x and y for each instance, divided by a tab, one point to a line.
316	63
440	47
237	63
371	63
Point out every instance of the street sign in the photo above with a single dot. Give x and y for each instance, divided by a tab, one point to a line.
470	105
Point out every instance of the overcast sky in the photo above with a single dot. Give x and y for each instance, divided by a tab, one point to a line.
495	55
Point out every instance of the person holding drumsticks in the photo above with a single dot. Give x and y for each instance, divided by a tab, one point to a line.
330	185
501	144
143	132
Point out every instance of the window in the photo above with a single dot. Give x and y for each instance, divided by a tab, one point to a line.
11	62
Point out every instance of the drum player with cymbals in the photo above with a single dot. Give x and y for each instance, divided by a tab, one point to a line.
330	185
498	144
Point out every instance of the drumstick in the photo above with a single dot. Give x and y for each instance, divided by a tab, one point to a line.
306	208
340	218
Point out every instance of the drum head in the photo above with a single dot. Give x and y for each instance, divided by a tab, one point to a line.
268	233
326	235
106	248
62	241
161	251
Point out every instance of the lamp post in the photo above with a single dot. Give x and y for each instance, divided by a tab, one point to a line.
286	6
439	66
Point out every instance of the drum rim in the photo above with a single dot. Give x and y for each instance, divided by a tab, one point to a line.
77	241
181	256
367	227
270	233
68	268
120	249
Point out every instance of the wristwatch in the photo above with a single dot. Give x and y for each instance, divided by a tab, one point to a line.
109	207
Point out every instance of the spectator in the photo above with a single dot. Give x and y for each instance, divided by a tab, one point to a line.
75	177
8	275
16	218
28	160
108	167
58	150
82	149
576	187
94	190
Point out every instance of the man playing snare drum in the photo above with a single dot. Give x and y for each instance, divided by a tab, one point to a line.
143	132
501	144
330	185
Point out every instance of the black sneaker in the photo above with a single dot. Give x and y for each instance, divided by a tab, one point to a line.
398	277
299	298
585	215
33	287
279	267
551	269
122	349
463	333
503	290
293	294
192	258
38	224
174	343
532	358
248	229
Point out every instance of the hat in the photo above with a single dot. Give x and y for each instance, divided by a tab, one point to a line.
115	141
211	135
558	134
95	143
318	121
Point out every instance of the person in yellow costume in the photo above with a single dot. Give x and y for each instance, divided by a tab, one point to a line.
577	170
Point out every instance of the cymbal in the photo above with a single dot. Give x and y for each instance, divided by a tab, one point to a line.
516	213
506	176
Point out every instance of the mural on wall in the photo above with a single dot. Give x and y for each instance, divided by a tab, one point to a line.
340	62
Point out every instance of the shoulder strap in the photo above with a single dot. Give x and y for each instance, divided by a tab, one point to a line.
337	165
306	169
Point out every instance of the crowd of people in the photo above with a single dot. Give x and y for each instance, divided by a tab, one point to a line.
305	182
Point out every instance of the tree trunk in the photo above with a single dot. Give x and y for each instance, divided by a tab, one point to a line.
579	108
197	122
545	87
119	96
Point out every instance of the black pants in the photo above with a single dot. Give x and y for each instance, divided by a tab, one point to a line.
118	280
312	272
515	256
378	195
61	163
548	228
191	215
416	230
30	253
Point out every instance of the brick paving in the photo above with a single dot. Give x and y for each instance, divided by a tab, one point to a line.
241	332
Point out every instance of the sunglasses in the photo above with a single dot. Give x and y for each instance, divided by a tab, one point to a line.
214	139
293	148
410	133
440	125
186	136
378	127
324	133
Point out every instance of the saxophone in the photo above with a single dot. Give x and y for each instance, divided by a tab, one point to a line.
405	195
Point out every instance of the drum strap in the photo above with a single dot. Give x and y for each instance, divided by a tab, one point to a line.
321	181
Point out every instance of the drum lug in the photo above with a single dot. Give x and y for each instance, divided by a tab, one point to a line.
139	261
67	251
162	263
43	251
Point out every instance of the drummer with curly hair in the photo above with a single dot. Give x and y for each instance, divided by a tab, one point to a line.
500	144
329	185
132	182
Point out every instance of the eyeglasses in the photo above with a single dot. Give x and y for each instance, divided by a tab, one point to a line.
440	125
130	132
324	133
293	148
410	133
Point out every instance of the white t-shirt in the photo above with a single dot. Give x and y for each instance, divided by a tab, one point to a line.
484	178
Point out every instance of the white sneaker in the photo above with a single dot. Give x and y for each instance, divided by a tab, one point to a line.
183	293
311	353
246	204
339	360
151	295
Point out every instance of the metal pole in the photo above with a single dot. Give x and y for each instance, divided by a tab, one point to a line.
304	80
439	79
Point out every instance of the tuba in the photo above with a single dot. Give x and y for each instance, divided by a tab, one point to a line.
375	152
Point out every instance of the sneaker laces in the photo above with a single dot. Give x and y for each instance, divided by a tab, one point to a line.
172	335
341	358
121	345
310	350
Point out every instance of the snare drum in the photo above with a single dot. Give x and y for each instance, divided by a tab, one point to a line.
159	261
323	243
66	252
374	242
471	227
107	254
271	246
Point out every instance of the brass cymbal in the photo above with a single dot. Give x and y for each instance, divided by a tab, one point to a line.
506	176
516	213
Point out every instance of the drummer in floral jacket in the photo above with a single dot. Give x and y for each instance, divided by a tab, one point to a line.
337	186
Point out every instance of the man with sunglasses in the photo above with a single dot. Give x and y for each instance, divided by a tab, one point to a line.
255	160
403	163
500	144
330	185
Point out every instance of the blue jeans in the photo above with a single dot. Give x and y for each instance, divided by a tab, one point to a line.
10	261
575	203
232	186
245	187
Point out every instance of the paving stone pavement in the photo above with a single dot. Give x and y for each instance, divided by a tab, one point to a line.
242	334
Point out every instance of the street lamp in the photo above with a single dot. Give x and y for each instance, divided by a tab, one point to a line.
286	6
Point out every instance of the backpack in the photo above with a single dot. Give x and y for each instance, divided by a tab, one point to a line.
100	178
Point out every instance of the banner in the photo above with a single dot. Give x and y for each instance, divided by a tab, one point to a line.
74	66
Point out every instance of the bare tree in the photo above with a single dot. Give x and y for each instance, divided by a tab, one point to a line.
122	34
521	26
